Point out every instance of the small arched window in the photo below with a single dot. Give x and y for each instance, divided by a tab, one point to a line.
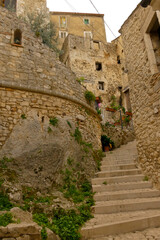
18	37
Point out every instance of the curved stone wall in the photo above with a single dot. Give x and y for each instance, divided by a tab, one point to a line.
31	77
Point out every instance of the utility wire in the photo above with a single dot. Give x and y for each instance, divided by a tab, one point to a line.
96	32
104	21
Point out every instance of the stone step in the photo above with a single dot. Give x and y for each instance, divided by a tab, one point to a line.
118	227
129	194
126	205
120	158
117	162
108	180
117	173
105	167
121	186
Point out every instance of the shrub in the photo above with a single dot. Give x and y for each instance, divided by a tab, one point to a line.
42	28
5	204
99	111
5	219
90	97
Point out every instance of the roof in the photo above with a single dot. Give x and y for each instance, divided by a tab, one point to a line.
77	14
145	3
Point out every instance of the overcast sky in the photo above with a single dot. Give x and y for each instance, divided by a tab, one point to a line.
115	11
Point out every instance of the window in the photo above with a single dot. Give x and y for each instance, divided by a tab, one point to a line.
63	22
101	85
63	34
118	60
96	45
18	37
88	35
86	21
98	66
151	31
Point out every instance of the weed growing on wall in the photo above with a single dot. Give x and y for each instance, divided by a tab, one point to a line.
5	219
23	116
5	204
4	161
69	124
90	97
53	121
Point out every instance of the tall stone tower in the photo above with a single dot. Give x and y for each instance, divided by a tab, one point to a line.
23	7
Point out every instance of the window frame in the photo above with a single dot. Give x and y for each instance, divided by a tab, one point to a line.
60	32
101	83
88	32
86	19
61	25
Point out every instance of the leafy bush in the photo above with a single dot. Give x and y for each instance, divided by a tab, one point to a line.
99	111
90	97
44	233
5	219
42	28
5	204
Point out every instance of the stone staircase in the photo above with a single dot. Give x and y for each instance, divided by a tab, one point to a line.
125	200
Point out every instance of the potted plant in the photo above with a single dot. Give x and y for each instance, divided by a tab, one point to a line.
117	123
110	109
99	99
129	113
107	143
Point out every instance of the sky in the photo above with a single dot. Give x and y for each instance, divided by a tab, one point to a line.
115	11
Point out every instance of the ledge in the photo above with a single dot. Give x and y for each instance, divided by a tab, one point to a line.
17	45
15	86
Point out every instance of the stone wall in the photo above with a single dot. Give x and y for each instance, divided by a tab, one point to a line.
82	55
33	80
25	7
119	136
145	93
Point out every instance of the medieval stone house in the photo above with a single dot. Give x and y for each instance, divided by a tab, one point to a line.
79	24
141	42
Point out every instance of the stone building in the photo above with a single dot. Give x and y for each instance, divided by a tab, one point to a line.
141	42
100	67
23	7
79	24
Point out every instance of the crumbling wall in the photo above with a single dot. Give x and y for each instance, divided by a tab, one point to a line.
25	7
82	55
